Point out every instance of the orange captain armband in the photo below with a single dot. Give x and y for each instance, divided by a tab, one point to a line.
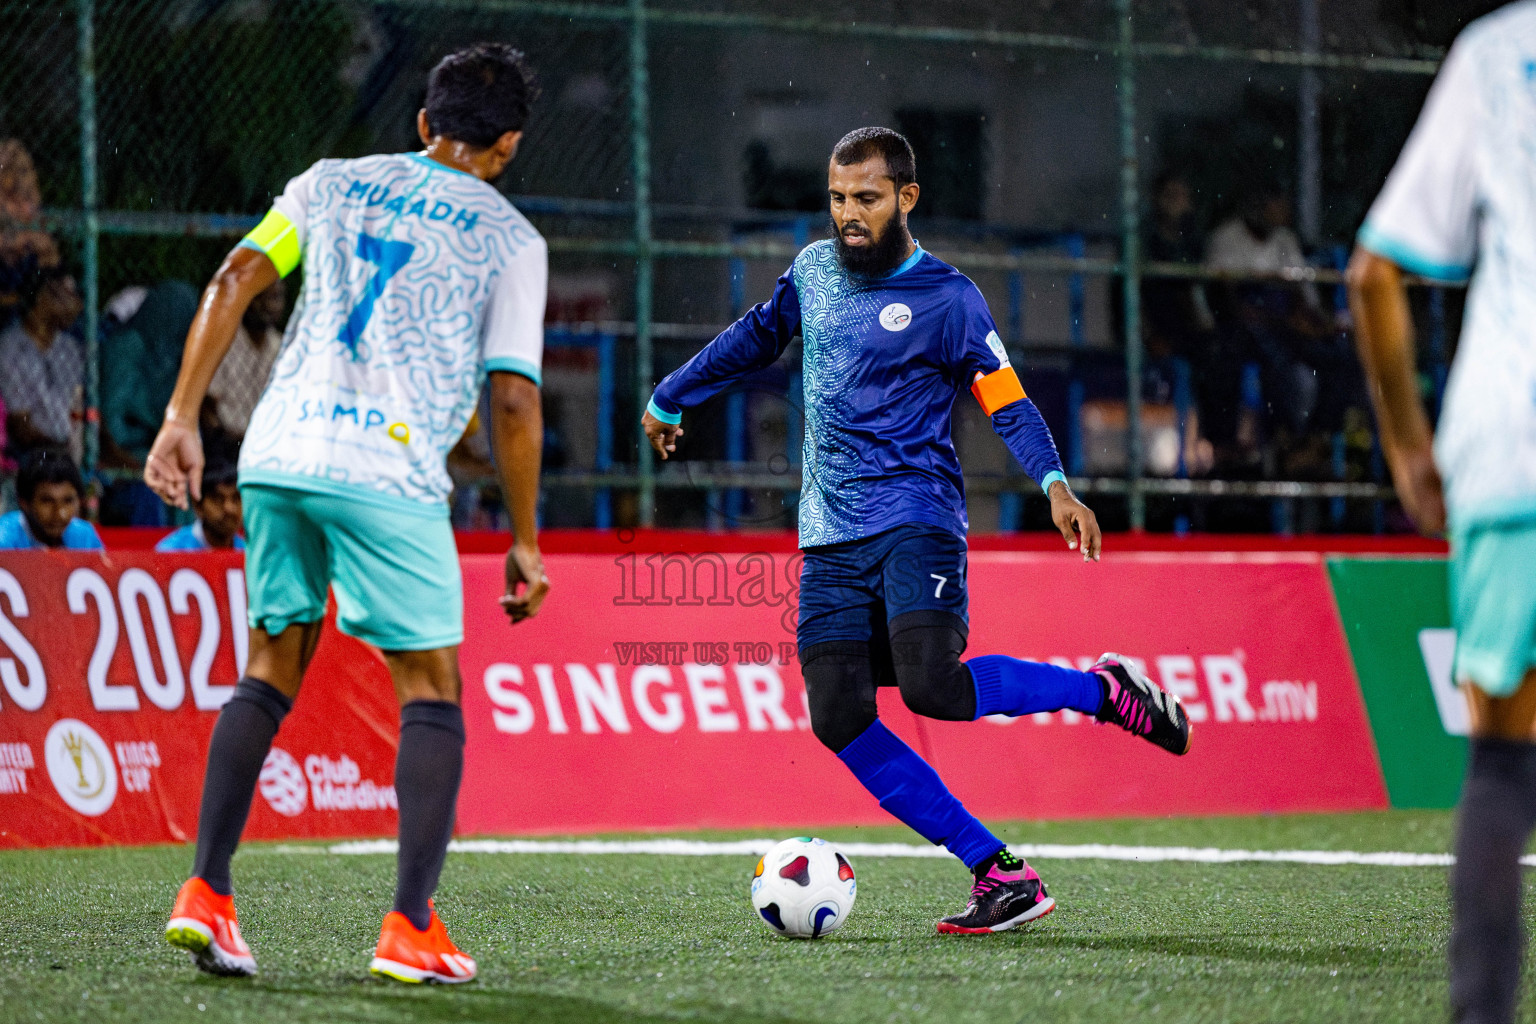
997	390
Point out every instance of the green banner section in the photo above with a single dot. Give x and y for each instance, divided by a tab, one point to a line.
1397	617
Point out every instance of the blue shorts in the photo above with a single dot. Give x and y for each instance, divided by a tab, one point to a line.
1493	605
850	591
395	570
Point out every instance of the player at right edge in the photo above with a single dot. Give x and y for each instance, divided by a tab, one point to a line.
1464	190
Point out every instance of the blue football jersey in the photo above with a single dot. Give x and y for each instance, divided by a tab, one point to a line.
884	360
15	535
192	538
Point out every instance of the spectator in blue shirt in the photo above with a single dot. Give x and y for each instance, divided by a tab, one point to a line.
218	515
49	489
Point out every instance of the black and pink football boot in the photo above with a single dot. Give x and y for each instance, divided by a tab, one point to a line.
1006	893
1140	707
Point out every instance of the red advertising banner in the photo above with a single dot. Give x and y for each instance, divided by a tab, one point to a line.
113	670
661	690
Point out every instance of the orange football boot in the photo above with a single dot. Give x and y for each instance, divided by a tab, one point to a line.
203	923
407	955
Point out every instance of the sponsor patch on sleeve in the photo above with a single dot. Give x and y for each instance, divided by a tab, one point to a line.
998	349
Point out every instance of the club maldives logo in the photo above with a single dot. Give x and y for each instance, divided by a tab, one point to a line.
80	766
324	783
282	783
896	317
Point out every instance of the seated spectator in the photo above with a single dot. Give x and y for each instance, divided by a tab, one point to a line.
1176	317
242	376
139	362
218	526
24	249
44	367
139	365
49	490
1307	368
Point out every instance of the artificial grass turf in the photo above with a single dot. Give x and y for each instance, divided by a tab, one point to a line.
641	938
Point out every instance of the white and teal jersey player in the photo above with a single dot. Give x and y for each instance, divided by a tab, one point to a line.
419	279
1461	204
420	283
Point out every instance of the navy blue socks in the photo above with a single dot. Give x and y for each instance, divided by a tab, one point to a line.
241	738
1008	686
1493	824
912	791
427	773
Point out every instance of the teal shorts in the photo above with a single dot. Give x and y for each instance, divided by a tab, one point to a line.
395	570
1493	603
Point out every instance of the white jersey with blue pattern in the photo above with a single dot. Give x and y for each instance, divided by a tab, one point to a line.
418	279
1464	191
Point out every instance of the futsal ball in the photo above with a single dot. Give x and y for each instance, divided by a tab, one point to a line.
804	888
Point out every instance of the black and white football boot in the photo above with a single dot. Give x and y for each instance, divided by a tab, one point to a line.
1139	706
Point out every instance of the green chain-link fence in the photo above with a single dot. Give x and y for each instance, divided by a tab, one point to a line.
672	163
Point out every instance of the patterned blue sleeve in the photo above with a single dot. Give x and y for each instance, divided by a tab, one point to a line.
1023	430
750	344
978	351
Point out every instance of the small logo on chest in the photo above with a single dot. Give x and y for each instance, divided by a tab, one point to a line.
896	317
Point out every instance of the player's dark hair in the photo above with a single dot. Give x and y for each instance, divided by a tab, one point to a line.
218	472
46	466
478	94
863	144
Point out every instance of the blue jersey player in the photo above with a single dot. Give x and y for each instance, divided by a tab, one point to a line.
420	281
891	336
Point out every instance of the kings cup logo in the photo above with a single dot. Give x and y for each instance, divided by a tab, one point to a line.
282	783
896	317
80	766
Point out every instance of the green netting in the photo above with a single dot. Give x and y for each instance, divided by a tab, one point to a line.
205	108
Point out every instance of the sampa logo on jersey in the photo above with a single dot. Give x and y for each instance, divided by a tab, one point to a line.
80	766
896	317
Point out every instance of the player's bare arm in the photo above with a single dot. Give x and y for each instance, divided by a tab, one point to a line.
174	467
517	427
1384	336
1078	525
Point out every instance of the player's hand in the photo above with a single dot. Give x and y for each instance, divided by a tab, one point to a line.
1419	487
525	567
175	464
1078	525
663	436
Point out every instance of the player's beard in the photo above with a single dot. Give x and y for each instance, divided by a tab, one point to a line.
883	254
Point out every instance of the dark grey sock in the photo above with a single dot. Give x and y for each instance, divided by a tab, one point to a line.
241	738
1497	811
427	772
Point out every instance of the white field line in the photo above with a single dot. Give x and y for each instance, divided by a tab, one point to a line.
1033	851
